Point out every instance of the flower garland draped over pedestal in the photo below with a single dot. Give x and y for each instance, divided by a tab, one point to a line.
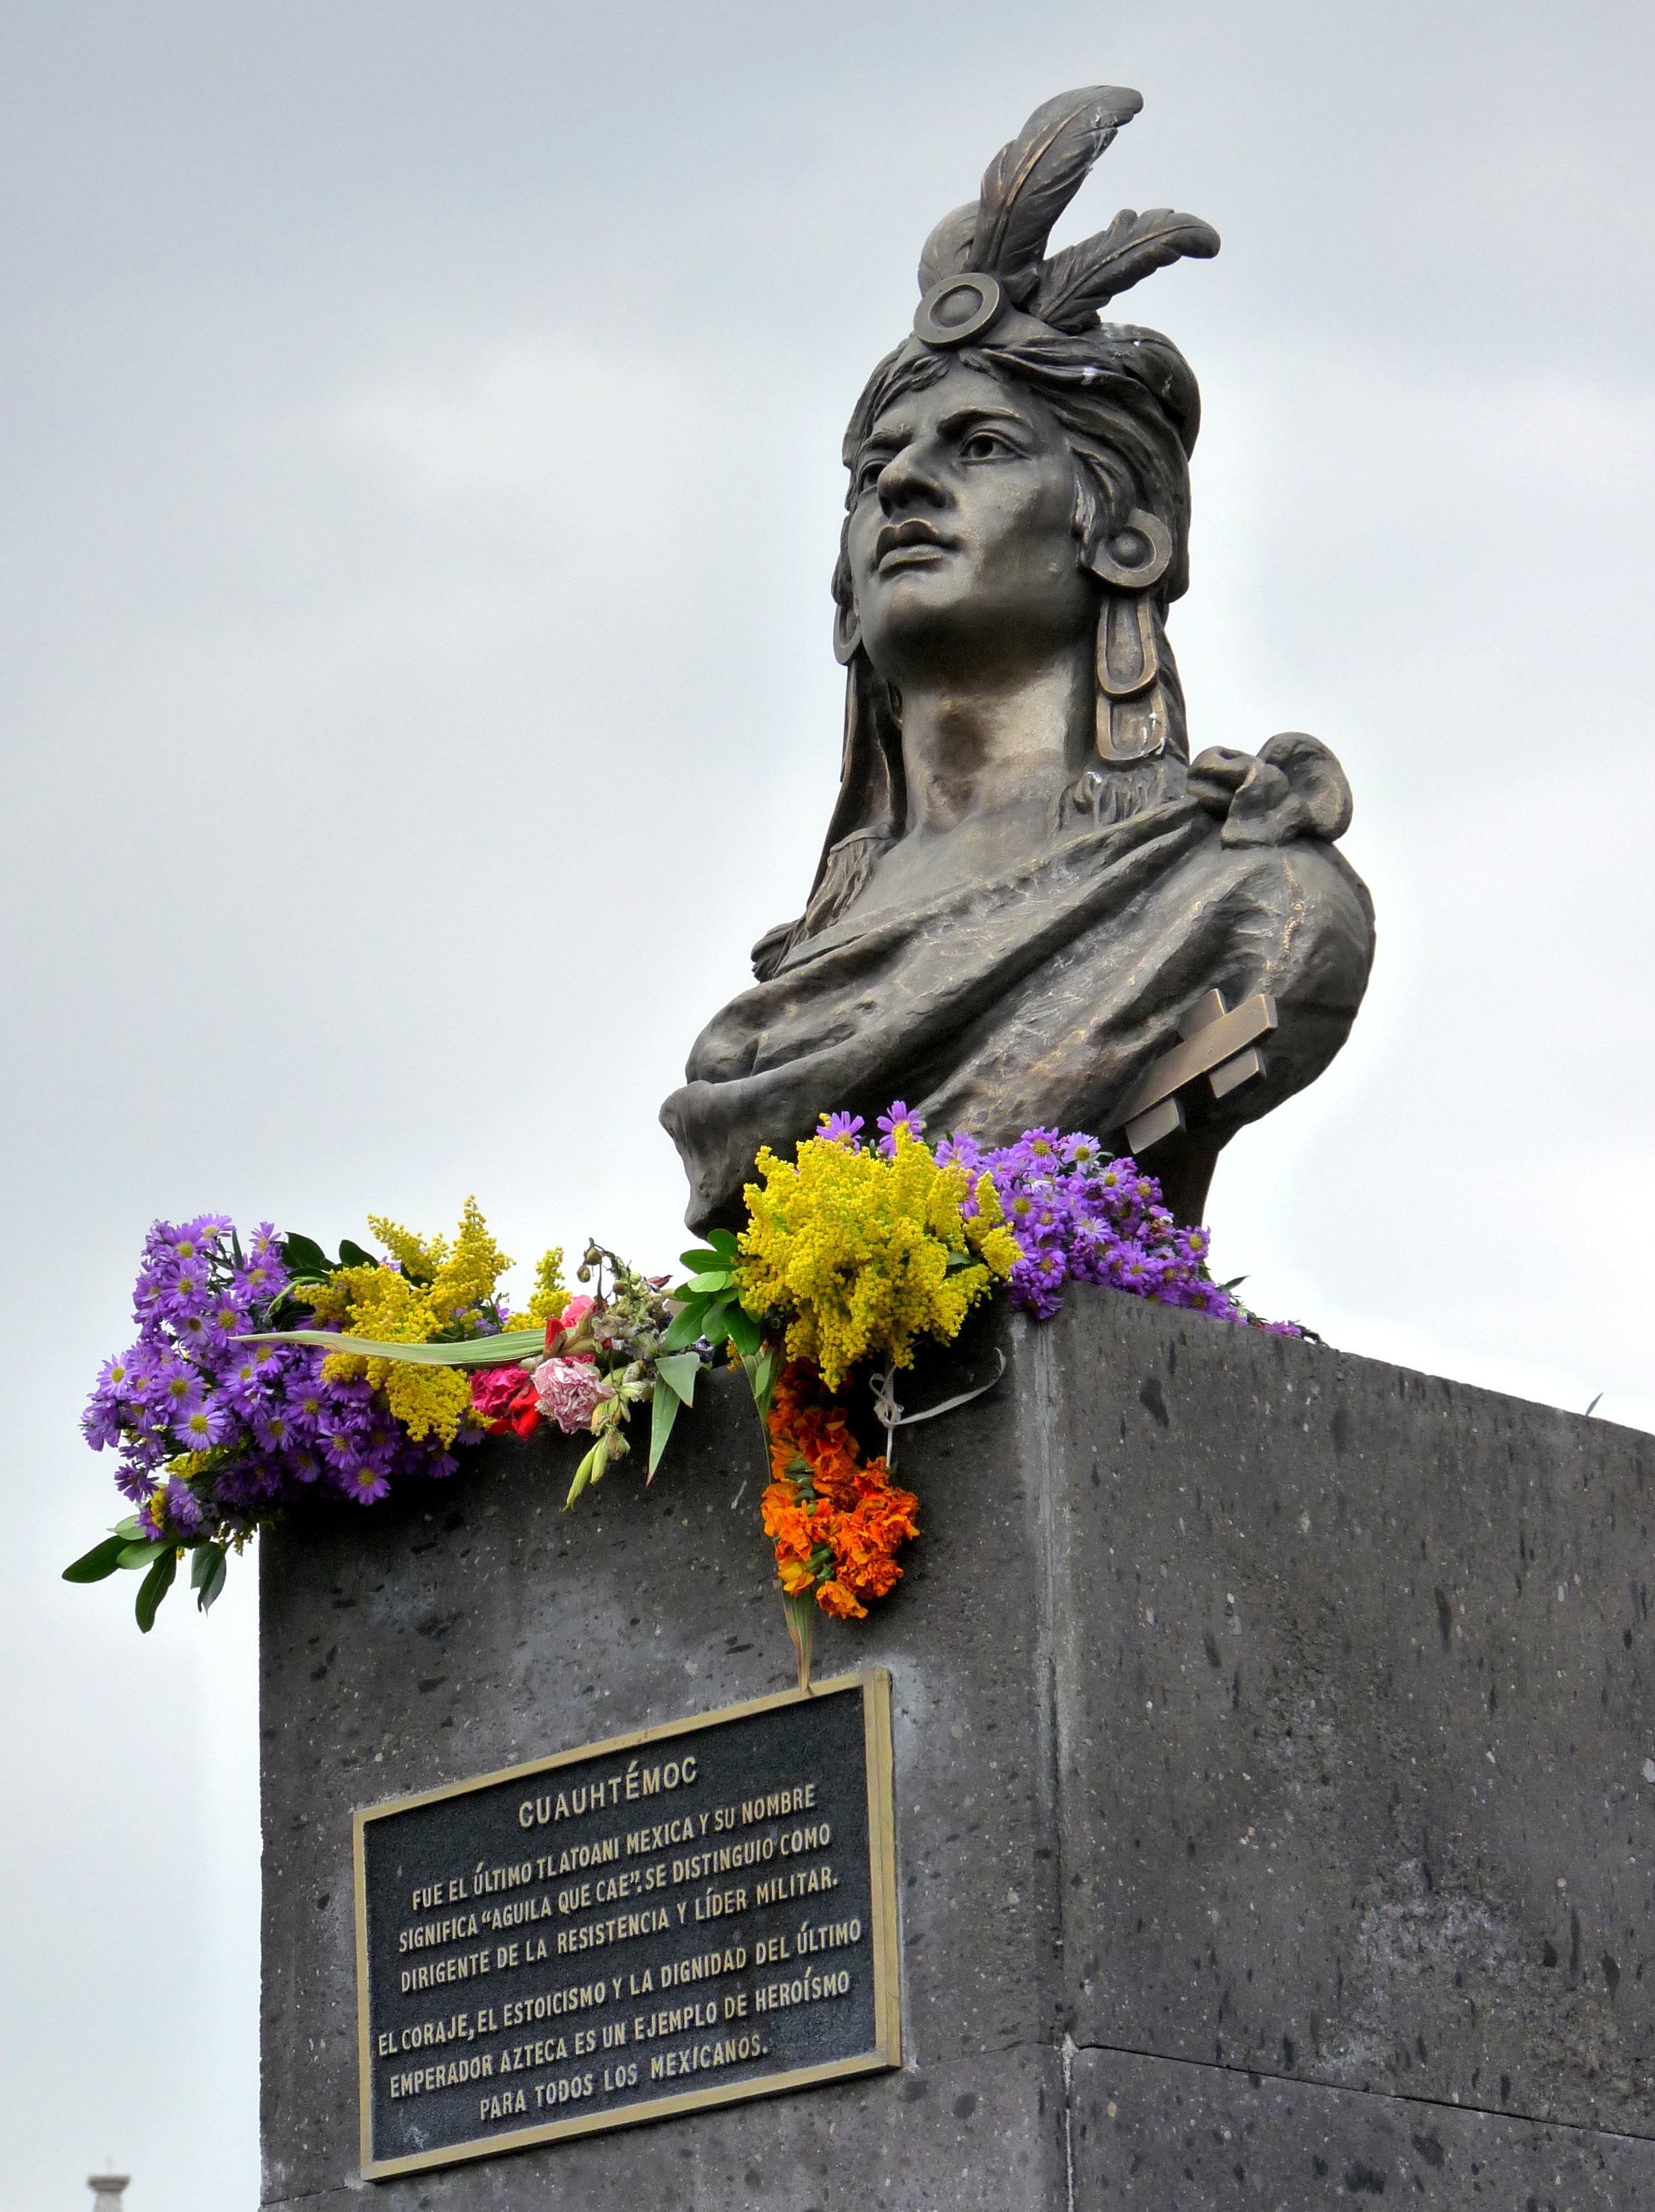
266	1375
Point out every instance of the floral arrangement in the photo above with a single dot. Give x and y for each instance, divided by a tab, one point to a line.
225	1414
266	1376
1076	1212
836	1520
862	1253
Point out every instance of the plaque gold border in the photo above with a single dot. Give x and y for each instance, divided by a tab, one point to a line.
874	1683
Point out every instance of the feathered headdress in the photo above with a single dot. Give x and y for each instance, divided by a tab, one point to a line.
990	254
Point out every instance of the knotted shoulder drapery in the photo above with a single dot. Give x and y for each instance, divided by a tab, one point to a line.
1041	996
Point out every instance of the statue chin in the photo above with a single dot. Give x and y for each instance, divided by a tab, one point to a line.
1033	909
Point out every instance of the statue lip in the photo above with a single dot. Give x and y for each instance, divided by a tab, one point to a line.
915	534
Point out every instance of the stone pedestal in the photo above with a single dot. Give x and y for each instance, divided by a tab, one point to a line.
1271	1745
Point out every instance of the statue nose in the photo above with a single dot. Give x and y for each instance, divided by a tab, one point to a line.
906	480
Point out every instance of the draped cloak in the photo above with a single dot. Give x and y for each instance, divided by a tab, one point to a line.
1039	996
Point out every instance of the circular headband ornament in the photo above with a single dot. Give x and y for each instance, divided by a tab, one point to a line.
959	308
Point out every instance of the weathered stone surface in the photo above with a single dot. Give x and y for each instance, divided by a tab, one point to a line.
1239	1722
1352	1688
1172	2138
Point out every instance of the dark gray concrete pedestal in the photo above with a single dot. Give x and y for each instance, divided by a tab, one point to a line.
1272	1731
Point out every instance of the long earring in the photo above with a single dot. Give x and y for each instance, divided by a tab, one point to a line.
1132	720
1133	723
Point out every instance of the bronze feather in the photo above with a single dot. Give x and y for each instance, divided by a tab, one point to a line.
1076	282
1032	180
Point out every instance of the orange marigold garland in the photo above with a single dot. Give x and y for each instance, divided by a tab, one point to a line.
835	1519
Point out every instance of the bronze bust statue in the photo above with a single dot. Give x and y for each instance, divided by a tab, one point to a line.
1033	908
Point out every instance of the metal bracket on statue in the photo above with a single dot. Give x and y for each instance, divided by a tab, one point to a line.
1219	1042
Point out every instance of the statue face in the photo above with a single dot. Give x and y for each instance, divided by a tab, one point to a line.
961	542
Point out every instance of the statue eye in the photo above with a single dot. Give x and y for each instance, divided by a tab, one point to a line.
986	446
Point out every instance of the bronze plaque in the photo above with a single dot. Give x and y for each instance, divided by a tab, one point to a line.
680	1917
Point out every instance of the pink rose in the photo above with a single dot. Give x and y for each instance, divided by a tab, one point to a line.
567	1391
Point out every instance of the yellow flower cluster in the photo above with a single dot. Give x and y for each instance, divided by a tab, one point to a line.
435	1284
549	1296
862	1255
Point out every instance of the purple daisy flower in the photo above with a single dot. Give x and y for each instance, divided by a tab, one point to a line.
101	1423
182	1507
965	1148
840	1128
195	1335
308	1398
340	1445
115	1375
187	1288
178	1388
272	1427
367	1485
200	1238
260	1280
900	1119
203	1425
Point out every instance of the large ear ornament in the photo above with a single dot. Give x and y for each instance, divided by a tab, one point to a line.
846	633
1134	557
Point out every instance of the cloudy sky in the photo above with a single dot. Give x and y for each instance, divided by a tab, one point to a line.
420	430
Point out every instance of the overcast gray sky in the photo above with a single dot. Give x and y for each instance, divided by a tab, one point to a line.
419	459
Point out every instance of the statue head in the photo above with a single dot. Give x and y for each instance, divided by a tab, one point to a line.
1017	465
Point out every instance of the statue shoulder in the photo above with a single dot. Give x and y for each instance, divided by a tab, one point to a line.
1278	813
1292	787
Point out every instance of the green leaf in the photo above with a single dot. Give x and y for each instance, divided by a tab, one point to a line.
303	1256
699	1259
207	1571
477	1352
685	1325
800	1615
137	1555
665	1412
102	1560
128	1529
679	1370
720	1279
352	1255
744	1331
761	1374
725	1242
154	1586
